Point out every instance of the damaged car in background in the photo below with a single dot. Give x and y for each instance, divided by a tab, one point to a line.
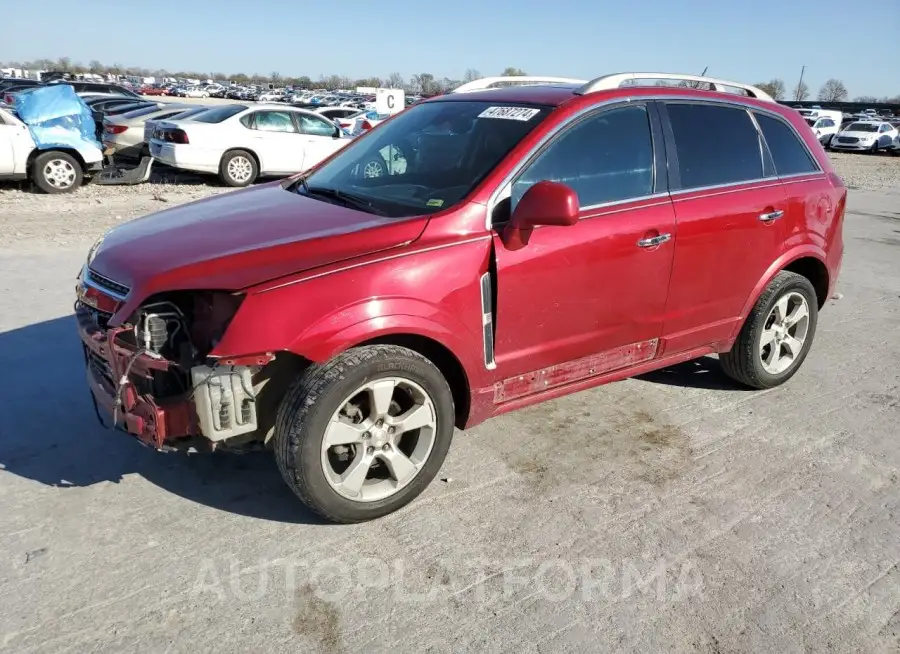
47	136
517	244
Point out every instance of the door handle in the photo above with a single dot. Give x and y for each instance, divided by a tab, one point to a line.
653	241
771	216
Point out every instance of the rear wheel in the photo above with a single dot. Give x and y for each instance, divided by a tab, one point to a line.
238	168
777	334
364	434
57	172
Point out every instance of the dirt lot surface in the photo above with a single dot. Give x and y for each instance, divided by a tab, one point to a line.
672	512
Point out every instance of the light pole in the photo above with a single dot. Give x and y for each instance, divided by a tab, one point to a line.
800	83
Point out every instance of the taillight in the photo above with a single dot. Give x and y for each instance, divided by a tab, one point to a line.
8	99
171	136
179	136
366	125
115	129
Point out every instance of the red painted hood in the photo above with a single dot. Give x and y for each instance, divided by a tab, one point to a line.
239	239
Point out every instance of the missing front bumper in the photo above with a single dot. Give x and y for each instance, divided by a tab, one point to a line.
220	403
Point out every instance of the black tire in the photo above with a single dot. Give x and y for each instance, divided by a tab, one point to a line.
307	408
227	177
743	362
46	182
874	148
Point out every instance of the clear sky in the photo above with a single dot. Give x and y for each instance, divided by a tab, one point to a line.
745	40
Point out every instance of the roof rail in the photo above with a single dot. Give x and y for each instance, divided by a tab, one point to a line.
517	80
616	80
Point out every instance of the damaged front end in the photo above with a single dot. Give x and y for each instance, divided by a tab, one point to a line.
151	374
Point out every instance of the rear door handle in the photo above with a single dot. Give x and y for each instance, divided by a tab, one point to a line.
771	216
653	241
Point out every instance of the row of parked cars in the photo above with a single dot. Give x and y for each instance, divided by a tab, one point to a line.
246	140
287	95
864	132
238	142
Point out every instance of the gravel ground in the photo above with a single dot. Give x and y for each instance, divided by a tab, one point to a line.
671	512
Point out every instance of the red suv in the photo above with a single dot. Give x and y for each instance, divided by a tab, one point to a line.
477	253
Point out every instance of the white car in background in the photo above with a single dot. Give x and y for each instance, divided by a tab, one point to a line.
52	170
196	92
867	135
345	117
272	95
241	142
824	124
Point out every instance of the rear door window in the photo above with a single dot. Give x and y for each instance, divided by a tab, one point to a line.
273	121
789	154
716	145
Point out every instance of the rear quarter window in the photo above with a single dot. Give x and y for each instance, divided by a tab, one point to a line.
716	145
788	153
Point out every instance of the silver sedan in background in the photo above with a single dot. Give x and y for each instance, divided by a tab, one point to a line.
125	135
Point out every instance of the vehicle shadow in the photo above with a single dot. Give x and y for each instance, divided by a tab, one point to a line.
704	372
49	433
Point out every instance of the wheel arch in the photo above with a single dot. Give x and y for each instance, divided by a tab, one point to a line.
443	358
808	261
816	272
72	152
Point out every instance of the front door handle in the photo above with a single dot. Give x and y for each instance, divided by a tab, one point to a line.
771	216
653	241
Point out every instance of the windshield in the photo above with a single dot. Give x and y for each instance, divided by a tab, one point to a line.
862	127
427	158
218	114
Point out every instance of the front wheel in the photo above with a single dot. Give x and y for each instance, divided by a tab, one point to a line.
364	434
777	334
57	172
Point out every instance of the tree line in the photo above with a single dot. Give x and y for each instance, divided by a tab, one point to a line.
424	83
833	90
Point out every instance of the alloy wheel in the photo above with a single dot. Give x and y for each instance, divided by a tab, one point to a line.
240	169
379	439
373	169
784	334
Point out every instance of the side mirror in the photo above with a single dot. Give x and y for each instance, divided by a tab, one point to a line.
545	203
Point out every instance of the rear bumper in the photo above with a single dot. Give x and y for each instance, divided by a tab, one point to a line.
107	360
186	157
126	150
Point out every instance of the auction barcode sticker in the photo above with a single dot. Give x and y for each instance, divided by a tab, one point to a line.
510	113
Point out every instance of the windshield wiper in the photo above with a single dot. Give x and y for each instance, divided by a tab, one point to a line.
347	199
